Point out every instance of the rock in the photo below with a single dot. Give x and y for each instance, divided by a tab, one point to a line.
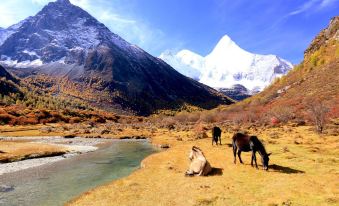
202	135
6	188
125	137
171	127
69	136
139	137
105	131
93	137
164	146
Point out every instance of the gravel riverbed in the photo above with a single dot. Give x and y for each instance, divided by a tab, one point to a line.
75	146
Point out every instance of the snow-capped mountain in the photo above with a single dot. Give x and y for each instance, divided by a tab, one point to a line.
228	65
90	62
60	32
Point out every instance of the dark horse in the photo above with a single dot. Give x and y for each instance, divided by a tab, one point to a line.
245	143
216	135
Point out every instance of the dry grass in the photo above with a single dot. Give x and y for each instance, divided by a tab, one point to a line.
15	151
304	171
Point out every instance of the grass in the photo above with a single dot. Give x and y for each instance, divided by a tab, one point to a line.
15	151
304	167
304	171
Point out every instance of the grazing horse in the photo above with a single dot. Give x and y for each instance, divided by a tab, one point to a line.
216	135
199	164
245	143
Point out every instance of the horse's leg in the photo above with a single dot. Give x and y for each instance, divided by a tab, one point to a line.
252	158
235	152
255	159
212	140
220	139
239	155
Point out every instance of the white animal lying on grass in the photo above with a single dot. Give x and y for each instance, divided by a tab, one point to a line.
199	165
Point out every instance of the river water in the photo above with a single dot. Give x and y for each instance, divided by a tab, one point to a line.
59	182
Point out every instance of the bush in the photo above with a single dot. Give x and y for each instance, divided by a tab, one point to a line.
6	118
282	113
168	122
318	113
208	117
73	120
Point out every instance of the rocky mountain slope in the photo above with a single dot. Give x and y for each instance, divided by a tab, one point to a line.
236	92
227	65
8	83
89	62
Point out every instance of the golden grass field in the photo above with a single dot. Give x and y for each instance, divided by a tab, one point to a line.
304	170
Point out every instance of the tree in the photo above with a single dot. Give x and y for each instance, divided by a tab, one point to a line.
318	113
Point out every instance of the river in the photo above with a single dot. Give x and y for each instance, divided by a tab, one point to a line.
57	183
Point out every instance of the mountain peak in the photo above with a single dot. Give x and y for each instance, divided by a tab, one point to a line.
226	40
65	41
226	45
63	2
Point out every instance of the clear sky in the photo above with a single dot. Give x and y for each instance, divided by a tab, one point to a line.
281	27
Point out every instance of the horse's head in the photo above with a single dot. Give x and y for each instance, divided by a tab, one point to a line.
265	160
194	152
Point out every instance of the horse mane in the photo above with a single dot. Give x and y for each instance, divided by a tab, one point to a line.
197	149
259	144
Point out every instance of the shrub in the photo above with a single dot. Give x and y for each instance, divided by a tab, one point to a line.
208	117
73	120
282	113
318	114
182	117
169	122
6	118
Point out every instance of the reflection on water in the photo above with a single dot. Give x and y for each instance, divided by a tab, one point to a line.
58	183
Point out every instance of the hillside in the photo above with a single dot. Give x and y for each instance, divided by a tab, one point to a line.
309	93
8	83
94	65
24	102
312	83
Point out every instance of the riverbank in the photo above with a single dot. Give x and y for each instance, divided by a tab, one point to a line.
28	152
303	171
57	183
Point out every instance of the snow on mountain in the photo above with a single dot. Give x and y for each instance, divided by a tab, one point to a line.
5	33
64	41
66	36
185	62
227	65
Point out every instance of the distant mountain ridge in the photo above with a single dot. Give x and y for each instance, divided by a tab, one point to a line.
228	65
96	65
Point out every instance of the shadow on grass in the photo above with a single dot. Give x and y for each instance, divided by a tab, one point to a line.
287	170
229	145
216	172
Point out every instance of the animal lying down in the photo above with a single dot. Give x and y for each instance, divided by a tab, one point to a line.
199	165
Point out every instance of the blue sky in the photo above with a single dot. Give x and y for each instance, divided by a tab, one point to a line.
281	27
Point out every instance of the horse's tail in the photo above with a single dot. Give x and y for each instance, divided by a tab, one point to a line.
234	138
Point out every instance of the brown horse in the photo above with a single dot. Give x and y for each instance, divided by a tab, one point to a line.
245	143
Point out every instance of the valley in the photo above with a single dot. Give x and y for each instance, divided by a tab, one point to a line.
88	118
